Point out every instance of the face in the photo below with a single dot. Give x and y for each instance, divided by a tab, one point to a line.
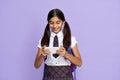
56	24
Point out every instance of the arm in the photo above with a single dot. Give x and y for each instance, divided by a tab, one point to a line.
41	54
39	59
75	58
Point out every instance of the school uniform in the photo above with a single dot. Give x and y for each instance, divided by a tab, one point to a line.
57	68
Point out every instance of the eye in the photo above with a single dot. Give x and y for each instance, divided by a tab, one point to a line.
58	22
51	23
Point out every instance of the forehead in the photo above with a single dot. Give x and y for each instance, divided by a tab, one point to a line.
55	19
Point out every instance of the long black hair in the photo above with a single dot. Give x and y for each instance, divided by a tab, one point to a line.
66	30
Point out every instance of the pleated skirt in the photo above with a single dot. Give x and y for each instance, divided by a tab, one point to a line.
57	73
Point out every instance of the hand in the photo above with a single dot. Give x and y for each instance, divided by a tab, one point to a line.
61	51
44	51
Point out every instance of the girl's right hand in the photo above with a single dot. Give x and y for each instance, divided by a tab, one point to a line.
44	52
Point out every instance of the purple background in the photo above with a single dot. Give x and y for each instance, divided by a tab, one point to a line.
95	24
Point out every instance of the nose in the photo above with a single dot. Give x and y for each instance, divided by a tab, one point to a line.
55	25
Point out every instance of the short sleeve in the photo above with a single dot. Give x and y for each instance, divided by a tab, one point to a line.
39	44
73	41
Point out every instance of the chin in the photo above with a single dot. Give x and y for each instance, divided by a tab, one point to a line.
56	31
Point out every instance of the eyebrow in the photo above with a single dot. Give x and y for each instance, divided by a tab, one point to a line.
56	21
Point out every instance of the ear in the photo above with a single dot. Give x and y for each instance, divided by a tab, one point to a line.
63	22
63	25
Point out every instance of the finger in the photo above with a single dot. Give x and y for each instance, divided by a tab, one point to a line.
47	51
62	53
43	47
44	55
59	51
61	47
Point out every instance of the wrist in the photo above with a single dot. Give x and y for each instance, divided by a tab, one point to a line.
66	55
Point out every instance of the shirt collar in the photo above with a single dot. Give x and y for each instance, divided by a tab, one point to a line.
58	34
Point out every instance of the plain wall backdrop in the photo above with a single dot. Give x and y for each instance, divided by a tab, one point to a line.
94	23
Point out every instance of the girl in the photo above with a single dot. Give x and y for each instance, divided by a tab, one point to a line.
57	34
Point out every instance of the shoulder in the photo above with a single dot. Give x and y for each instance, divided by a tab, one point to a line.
39	43
73	38
73	41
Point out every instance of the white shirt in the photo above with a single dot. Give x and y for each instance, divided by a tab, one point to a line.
59	61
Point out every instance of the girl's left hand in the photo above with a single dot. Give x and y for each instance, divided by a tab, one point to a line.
61	51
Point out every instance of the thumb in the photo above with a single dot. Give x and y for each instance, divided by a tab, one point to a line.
44	47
